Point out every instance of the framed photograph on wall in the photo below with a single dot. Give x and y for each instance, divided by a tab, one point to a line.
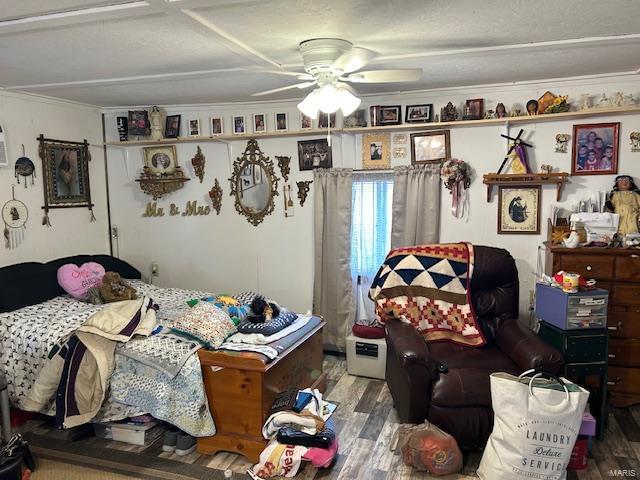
65	167
376	151
194	127
519	209
430	147
314	154
282	122
259	123
238	123
419	113
161	160
217	126
306	123
390	115
172	126
595	149
474	109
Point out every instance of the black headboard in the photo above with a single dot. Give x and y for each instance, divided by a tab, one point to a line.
29	283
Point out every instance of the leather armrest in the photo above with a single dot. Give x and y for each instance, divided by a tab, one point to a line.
526	348
409	346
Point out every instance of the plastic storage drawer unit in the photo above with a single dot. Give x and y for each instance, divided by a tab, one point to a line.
569	311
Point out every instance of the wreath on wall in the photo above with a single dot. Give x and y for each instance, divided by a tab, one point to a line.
456	176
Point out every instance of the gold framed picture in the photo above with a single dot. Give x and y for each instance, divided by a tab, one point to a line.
430	147
375	151
519	209
161	160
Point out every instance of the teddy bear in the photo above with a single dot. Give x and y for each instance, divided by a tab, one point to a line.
115	289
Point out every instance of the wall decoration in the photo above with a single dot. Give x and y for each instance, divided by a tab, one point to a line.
399	152
306	122
161	173
418	113
191	209
375	151
215	194
559	105
303	190
473	109
282	122
288	202
172	126
194	127
595	149
519	209
238	123
24	168
259	123
217	126
562	142
283	165
65	167
501	111
122	124
390	115
516	161
139	122
14	216
532	107
324	119
356	119
430	147
449	113
198	162
545	101
399	138
314	154
635	141
456	176
4	151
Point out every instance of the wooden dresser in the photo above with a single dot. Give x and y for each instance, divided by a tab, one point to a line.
618	271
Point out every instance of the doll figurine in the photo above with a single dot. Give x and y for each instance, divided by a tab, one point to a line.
625	201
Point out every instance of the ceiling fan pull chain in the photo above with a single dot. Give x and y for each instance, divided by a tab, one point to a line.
329	131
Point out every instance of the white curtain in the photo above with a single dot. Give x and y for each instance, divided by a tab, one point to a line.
416	205
332	289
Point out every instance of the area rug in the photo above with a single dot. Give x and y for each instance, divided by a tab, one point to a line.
53	470
136	465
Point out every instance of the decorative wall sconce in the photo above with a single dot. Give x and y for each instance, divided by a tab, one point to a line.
215	194
562	142
635	141
303	190
198	162
283	165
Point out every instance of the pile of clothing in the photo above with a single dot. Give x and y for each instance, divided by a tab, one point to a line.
305	432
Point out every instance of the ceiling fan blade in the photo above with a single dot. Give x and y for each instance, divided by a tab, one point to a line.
282	89
386	76
353	60
298	75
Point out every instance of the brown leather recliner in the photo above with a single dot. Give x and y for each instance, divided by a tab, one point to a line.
448	384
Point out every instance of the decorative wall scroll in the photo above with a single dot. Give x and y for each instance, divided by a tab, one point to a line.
198	162
215	194
303	189
161	173
14	216
65	167
283	165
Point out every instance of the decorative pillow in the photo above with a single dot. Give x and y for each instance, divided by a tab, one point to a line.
76	281
205	323
276	324
367	331
237	311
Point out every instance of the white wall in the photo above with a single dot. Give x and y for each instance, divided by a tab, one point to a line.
226	253
24	118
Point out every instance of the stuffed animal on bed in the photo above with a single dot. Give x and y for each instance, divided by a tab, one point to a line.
263	311
115	289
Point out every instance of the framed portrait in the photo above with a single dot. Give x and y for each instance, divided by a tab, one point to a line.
172	126
419	113
139	123
356	119
474	109
306	122
238	123
65	167
161	160
390	115
376	151
194	127
595	149
282	122
217	126
314	154
519	209
430	147
259	123
324	119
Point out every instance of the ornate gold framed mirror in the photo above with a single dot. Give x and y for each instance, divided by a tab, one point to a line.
254	184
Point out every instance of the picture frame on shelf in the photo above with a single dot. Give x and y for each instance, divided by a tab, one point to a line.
217	126
161	160
324	119
595	149
376	151
474	109
306	122
430	147
194	127
172	126
282	122
139	124
356	119
259	123
390	115
314	154
419	113
519	209
239	124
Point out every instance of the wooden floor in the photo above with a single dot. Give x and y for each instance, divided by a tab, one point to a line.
366	423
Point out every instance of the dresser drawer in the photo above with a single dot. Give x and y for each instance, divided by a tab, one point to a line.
624	353
628	267
626	294
590	266
624	379
585	348
624	321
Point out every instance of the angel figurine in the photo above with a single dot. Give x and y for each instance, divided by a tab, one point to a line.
624	200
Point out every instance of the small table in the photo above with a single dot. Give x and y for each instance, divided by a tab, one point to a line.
586	354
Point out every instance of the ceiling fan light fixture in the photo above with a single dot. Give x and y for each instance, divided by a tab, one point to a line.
348	102
329	99
309	106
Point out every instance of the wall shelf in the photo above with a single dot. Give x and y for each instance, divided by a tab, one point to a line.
559	179
592	112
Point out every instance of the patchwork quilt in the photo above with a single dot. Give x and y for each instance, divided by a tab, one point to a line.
428	287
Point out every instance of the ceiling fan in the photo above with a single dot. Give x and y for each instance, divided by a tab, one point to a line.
332	64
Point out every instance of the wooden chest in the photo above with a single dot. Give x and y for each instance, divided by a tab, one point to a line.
618	271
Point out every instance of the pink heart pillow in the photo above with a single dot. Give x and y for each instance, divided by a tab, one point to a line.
76	281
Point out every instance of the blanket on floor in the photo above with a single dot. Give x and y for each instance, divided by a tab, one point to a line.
428	287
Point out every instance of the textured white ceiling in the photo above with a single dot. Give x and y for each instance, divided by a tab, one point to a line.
159	39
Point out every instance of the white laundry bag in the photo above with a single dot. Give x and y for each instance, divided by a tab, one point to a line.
536	423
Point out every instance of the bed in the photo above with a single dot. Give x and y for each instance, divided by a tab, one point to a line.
35	313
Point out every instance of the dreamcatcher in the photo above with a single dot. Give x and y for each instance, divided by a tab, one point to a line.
25	168
14	215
